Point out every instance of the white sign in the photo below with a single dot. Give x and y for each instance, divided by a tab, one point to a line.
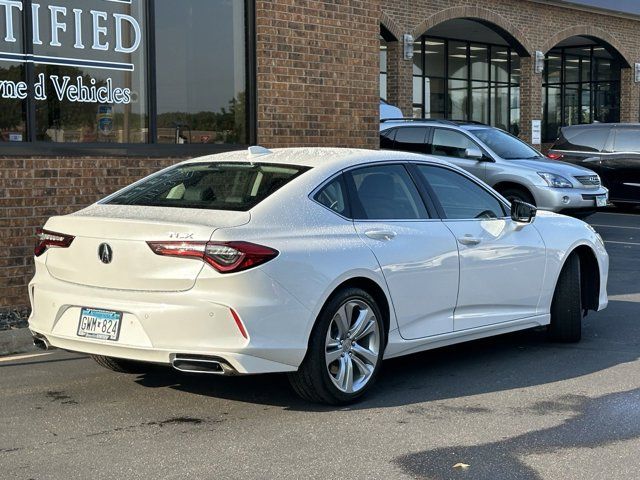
536	132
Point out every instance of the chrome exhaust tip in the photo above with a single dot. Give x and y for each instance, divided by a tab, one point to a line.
41	342
201	364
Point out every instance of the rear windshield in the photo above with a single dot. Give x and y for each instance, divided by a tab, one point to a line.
581	139
214	186
505	145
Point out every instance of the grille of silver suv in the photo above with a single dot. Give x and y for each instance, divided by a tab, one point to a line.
589	180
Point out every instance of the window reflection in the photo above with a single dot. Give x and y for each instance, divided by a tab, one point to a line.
201	78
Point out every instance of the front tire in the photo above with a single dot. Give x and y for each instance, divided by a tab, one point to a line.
345	350
120	365
566	307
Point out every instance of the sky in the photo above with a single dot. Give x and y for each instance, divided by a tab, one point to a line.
627	6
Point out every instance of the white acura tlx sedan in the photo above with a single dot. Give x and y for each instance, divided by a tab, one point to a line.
316	262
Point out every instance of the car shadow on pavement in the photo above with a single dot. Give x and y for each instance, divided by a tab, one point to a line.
595	422
517	360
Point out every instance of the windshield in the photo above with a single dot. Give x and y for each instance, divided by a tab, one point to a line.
505	145
214	186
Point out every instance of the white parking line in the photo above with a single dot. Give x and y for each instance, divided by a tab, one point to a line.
615	226
24	357
622	243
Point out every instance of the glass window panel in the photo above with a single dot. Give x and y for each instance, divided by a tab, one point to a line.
334	197
516	70
434	57
479	58
606	103
499	64
571	105
500	107
480	102
14	86
450	143
84	102
585	70
418	58
435	98
201	78
458	60
383	54
553	119
383	86
417	90
514	127
458	100
554	67
585	104
627	140
571	69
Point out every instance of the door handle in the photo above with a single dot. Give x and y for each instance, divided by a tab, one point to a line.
383	235
469	240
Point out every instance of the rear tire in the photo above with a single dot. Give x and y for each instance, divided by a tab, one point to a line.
515	193
566	307
120	365
360	353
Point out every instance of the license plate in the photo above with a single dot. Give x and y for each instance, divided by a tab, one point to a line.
99	324
601	201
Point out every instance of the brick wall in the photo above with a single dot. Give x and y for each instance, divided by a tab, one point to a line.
317	72
32	190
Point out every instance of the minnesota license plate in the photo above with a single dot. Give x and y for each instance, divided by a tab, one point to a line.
601	201
99	324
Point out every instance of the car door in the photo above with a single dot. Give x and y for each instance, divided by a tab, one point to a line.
502	263
416	251
451	145
621	169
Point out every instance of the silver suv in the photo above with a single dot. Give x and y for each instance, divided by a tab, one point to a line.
506	163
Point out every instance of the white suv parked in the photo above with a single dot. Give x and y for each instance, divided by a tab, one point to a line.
509	165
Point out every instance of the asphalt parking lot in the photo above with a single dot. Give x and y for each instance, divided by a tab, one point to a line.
513	407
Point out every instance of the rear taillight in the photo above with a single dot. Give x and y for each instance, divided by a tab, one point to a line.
46	239
225	257
555	156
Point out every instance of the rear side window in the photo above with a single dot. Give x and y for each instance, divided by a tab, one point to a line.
333	196
461	198
411	139
385	192
386	138
582	139
215	186
627	140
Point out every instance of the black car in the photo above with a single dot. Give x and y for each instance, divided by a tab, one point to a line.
611	150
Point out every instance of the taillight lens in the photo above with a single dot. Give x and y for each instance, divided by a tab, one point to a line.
225	257
46	239
555	156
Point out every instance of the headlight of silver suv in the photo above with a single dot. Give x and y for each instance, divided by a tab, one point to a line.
555	181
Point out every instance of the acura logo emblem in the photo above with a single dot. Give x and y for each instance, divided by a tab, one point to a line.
105	253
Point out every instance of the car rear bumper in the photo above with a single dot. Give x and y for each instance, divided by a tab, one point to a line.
568	199
157	326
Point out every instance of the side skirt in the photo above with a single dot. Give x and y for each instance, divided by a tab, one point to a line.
398	346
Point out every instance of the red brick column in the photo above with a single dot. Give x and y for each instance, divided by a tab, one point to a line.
629	97
399	79
530	98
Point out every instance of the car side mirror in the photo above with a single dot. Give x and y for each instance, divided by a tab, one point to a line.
474	154
522	212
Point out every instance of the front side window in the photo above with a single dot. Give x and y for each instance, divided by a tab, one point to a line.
461	198
504	145
450	143
385	192
213	186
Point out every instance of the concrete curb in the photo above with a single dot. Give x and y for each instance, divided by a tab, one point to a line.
16	341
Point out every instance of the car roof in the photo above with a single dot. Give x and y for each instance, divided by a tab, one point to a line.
330	158
430	122
601	125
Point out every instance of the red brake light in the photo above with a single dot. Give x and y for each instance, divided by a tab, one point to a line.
225	257
555	156
46	239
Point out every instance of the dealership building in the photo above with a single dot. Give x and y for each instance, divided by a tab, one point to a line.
95	94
